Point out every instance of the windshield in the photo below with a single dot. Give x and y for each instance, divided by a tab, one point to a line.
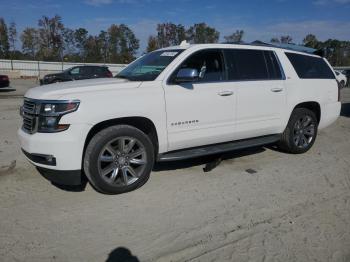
149	66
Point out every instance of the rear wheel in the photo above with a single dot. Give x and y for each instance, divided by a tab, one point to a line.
119	159
300	133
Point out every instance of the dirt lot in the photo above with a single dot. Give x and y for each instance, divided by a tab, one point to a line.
294	208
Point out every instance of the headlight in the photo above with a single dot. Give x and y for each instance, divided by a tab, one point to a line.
51	113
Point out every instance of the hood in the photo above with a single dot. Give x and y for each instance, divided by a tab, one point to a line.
57	90
51	75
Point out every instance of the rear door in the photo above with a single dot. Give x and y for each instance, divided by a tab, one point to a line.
87	72
261	95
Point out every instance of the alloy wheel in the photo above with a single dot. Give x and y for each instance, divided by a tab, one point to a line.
304	132
122	161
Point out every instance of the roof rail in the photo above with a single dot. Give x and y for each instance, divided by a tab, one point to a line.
291	47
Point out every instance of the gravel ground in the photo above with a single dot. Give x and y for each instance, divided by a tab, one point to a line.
257	205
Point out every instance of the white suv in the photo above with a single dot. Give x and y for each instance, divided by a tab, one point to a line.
176	103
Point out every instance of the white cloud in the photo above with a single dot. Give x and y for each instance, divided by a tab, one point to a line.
98	2
326	2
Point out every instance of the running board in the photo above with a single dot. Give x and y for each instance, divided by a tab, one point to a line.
217	148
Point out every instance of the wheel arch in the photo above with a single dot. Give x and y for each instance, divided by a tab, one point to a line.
144	124
311	105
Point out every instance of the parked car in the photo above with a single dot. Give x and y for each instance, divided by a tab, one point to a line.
347	73
341	78
4	81
77	73
173	104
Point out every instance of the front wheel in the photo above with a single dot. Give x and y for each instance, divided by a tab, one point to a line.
300	133
119	159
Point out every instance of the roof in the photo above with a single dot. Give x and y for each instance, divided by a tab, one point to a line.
294	47
253	45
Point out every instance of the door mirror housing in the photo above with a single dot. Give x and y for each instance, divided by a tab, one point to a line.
187	75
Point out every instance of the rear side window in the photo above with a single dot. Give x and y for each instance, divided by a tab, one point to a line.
309	67
273	66
244	64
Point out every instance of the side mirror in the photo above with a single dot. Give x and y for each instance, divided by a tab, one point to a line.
187	75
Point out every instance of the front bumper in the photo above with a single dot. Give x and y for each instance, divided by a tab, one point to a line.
67	177
4	84
65	149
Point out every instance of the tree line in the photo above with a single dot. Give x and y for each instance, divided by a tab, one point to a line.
51	40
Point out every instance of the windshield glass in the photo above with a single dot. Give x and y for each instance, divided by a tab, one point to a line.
149	66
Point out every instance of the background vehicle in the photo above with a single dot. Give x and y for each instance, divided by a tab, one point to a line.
176	103
347	73
77	73
4	81
341	78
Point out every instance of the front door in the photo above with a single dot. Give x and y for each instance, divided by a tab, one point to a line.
200	112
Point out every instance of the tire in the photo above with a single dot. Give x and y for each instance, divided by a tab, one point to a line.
298	138
119	159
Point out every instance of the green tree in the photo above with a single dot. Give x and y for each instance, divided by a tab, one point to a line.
4	39
103	45
169	34
236	37
80	38
123	44
202	33
286	39
30	42
12	34
69	50
51	38
311	41
152	44
92	50
275	40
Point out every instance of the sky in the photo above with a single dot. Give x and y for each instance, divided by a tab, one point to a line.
259	19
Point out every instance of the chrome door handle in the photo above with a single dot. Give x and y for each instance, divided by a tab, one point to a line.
225	93
277	89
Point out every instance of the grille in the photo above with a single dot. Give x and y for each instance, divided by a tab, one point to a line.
29	116
29	106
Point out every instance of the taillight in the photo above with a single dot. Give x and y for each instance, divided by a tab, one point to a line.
5	78
109	74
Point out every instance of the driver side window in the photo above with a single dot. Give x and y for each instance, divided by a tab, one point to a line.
75	71
209	64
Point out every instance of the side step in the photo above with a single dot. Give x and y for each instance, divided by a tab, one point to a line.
217	148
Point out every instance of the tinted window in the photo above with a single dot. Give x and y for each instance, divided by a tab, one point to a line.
246	64
209	64
86	70
273	66
75	71
309	67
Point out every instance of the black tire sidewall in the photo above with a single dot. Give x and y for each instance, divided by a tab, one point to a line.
296	115
96	145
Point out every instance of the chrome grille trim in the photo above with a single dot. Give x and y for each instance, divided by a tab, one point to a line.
29	112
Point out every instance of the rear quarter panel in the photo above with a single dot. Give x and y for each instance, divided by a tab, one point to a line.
322	91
